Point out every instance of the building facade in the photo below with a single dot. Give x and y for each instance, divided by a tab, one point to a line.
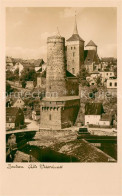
75	52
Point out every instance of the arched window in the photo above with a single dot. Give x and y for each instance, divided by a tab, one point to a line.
110	84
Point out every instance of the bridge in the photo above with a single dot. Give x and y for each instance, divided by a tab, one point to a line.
21	131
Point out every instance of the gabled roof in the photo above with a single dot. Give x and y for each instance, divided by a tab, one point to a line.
106	117
91	56
91	43
38	62
94	109
12	111
75	37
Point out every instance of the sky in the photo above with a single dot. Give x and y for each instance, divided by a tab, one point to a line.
27	29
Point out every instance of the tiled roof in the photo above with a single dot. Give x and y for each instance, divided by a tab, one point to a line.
75	37
93	109
106	117
91	43
83	151
91	56
38	62
11	114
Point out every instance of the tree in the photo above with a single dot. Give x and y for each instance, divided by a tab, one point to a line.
82	77
28	75
99	81
8	88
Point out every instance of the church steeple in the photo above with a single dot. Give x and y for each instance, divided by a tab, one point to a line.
75	26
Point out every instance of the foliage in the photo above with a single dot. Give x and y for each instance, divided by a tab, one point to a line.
28	75
12	76
99	81
82	77
8	88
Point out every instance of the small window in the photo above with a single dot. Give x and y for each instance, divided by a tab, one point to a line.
110	84
50	117
107	74
110	74
71	48
74	47
115	84
73	70
73	53
88	60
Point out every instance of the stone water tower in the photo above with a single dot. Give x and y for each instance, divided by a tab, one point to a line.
57	109
56	66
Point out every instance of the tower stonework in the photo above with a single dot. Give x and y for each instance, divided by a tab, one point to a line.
56	66
75	52
57	109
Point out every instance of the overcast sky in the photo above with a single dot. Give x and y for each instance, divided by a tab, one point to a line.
27	29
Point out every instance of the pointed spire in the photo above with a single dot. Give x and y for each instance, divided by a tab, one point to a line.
58	33
75	26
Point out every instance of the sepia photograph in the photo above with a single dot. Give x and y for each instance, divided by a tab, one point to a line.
61	84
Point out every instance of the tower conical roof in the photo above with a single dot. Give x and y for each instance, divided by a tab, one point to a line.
91	43
75	36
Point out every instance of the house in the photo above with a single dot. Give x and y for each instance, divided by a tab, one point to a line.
38	64
9	63
14	118
106	75
93	112
112	83
19	103
36	114
91	59
93	77
106	120
19	66
41	79
29	84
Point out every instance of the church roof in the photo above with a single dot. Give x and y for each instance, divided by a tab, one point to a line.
75	36
91	43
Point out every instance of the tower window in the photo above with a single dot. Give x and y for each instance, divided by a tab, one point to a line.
73	70
50	117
